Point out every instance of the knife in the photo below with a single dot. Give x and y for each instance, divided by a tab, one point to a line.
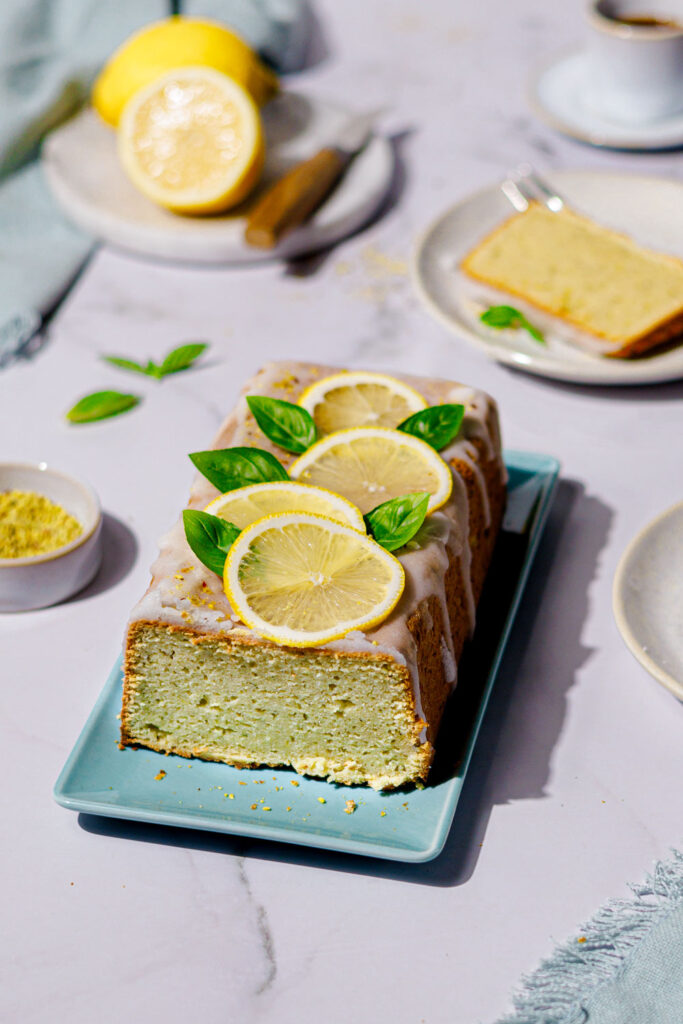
299	193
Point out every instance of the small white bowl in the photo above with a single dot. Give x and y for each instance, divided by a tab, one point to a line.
42	580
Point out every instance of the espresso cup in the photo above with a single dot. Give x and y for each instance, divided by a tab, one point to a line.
635	59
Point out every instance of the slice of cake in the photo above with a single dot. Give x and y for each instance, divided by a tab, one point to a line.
363	709
616	297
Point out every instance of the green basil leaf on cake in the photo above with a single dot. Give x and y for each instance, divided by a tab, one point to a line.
285	424
101	405
126	364
501	317
438	425
395	522
209	537
181	358
230	468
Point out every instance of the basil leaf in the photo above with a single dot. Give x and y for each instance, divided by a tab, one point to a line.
209	537
508	316
181	358
438	425
286	425
126	364
99	405
395	522
230	468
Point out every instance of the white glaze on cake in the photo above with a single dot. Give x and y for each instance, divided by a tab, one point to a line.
183	592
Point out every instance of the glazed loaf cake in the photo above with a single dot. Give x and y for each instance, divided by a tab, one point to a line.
364	709
606	293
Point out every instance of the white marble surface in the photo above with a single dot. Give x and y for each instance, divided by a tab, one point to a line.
575	786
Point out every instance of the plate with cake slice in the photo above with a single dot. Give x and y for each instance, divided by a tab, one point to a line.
291	670
592	293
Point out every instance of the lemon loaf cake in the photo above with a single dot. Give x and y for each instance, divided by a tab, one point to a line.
364	709
597	288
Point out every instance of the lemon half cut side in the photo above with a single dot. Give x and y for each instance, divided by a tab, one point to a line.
371	465
303	580
192	141
359	399
245	505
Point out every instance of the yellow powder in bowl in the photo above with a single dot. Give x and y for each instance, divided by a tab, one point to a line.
31	524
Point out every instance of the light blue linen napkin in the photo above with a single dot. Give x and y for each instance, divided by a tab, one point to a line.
50	53
624	967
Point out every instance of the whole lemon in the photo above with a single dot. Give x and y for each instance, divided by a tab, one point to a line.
173	43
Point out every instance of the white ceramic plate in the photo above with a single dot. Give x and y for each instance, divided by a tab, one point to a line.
84	173
648	209
648	598
560	96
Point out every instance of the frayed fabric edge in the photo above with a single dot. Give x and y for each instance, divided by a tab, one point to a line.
557	990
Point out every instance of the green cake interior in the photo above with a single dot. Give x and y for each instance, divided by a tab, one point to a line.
345	716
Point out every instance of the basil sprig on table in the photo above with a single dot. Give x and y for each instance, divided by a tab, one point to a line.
507	316
209	537
230	468
438	425
178	359
285	424
99	405
395	522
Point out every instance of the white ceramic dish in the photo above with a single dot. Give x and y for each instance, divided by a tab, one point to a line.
559	96
42	580
648	598
83	171
648	209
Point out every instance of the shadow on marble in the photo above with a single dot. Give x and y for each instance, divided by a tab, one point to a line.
309	264
120	551
522	725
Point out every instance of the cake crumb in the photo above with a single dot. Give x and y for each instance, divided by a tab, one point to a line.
160	775
322	800
349	806
382	814
241	783
278	789
288	808
230	796
294	782
266	808
254	806
581	938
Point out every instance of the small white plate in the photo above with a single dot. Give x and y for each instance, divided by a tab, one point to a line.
648	598
83	171
559	95
648	209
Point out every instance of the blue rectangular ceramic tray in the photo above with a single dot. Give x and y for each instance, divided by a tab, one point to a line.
409	825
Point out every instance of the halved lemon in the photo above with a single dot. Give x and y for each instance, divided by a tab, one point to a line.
370	465
303	580
359	399
192	141
245	505
172	43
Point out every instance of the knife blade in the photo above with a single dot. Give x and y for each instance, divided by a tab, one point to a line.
303	189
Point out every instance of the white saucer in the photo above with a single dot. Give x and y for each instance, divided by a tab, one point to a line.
85	176
649	209
648	598
559	97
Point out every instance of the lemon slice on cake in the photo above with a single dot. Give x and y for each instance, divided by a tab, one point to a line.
174	43
360	399
245	505
371	465
192	141
302	580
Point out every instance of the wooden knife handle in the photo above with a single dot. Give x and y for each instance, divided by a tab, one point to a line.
292	199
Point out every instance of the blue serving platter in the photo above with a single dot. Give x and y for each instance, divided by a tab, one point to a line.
409	825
